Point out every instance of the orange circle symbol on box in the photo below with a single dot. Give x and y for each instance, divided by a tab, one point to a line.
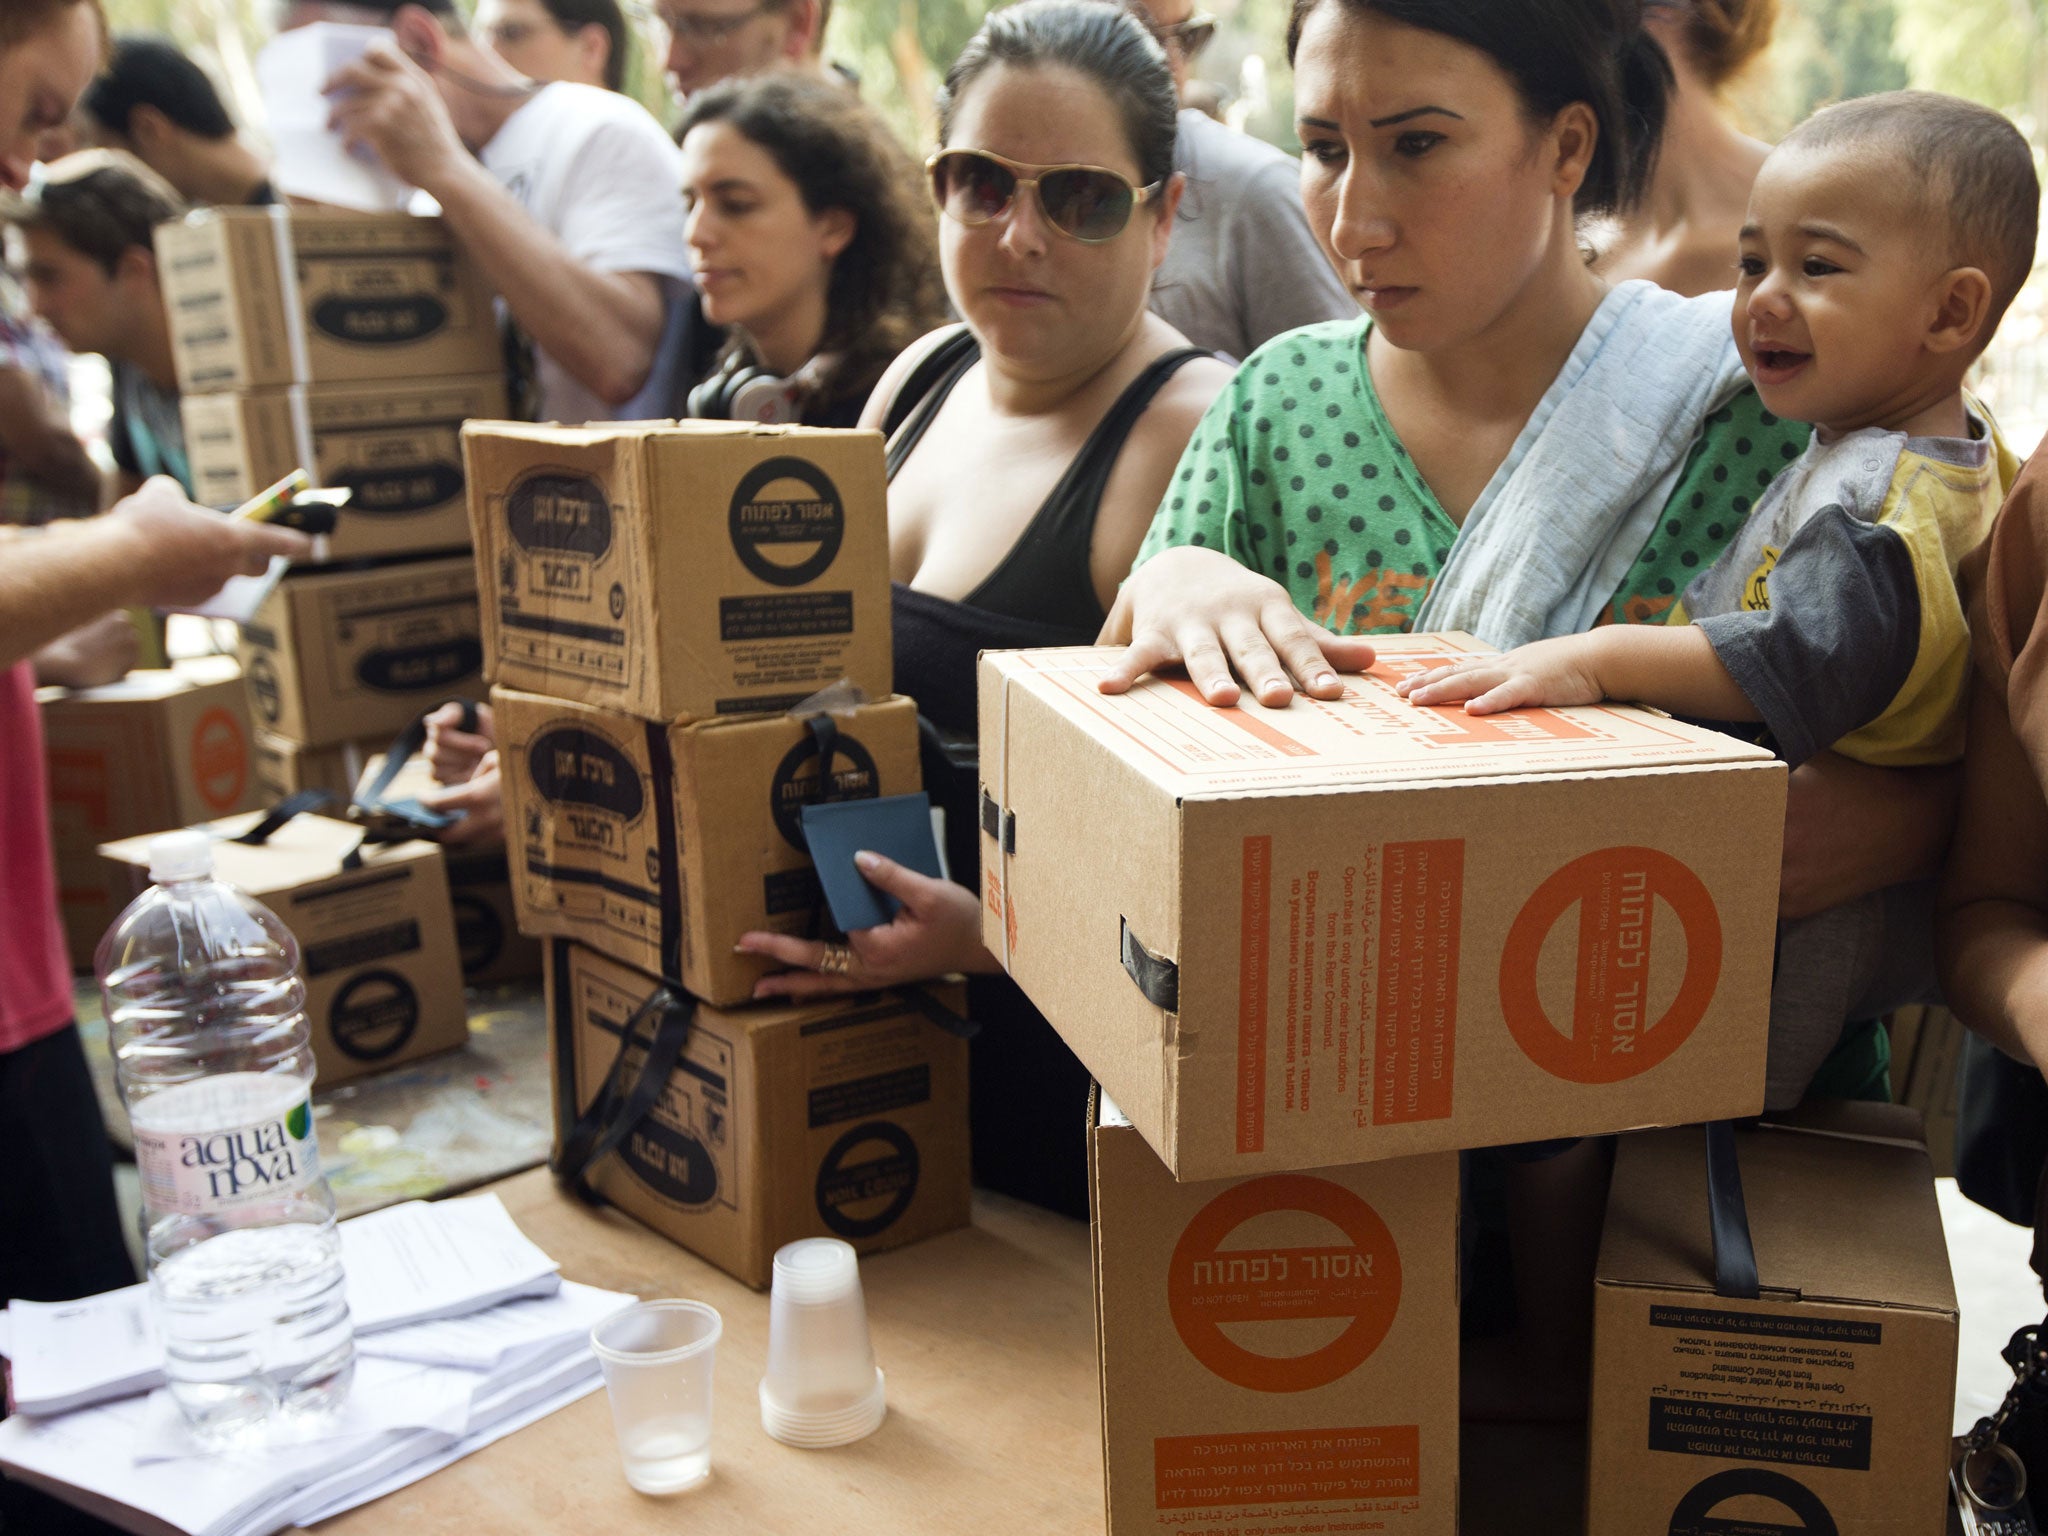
1617	891
220	759
1208	1285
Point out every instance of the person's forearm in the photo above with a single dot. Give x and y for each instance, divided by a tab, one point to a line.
1672	667
1994	973
602	327
1851	829
50	583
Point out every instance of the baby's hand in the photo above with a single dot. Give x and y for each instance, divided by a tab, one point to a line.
1548	672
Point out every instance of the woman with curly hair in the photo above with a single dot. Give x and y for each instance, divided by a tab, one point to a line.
812	243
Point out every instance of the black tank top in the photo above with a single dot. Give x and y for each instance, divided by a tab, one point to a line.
1046	577
1027	1089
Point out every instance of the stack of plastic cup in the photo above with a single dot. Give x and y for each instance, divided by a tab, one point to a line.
823	1387
657	1360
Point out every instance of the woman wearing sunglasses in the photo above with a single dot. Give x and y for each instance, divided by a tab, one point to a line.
1028	449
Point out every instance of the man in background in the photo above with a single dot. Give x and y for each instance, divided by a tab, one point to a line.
85	228
567	197
157	105
714	40
45	472
1243	265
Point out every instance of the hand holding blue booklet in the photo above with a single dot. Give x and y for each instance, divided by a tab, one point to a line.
898	827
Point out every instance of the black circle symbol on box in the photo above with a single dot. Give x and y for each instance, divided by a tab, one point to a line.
379	322
816	523
403	489
574	766
1694	1515
793	788
674	1165
887	1176
374	1015
414	668
561	512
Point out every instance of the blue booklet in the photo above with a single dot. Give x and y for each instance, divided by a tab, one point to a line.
898	827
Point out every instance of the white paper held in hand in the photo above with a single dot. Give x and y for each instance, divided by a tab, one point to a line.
310	160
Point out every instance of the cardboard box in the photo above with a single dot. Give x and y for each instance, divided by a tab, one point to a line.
1278	1353
845	1117
284	767
1927	1064
1338	932
264	297
396	445
681	571
157	749
335	656
661	845
493	949
1825	1404
376	943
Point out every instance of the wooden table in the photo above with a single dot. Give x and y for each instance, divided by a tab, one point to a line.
986	1336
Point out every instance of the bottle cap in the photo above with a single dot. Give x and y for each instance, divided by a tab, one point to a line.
184	855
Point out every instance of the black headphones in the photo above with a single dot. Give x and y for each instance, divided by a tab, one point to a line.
743	391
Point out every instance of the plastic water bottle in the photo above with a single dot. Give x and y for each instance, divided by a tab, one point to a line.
206	1016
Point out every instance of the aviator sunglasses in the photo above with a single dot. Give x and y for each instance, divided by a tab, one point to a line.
1083	202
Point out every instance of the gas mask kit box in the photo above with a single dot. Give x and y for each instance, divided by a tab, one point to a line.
841	1117
681	571
1335	932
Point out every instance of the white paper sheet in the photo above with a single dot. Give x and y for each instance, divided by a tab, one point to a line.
308	159
71	1353
501	1336
405	1265
417	1261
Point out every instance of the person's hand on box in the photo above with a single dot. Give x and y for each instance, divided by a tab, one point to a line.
454	754
91	655
385	103
1554	672
182	554
478	802
1200	608
936	932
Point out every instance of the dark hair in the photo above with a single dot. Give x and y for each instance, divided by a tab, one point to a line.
1558	52
1969	164
1721	38
1102	41
572	16
22	19
885	290
144	70
100	202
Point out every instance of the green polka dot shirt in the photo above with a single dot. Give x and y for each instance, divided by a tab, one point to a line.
1296	473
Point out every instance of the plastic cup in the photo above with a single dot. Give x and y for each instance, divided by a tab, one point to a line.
823	1387
657	1359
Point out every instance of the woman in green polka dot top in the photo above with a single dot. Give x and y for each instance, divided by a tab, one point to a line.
1449	151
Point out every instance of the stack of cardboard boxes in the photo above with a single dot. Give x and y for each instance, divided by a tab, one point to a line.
656	600
353	346
1313	953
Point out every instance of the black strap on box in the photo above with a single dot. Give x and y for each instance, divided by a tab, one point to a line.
396	820
1735	1275
304	803
1155	975
619	1108
938	1013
